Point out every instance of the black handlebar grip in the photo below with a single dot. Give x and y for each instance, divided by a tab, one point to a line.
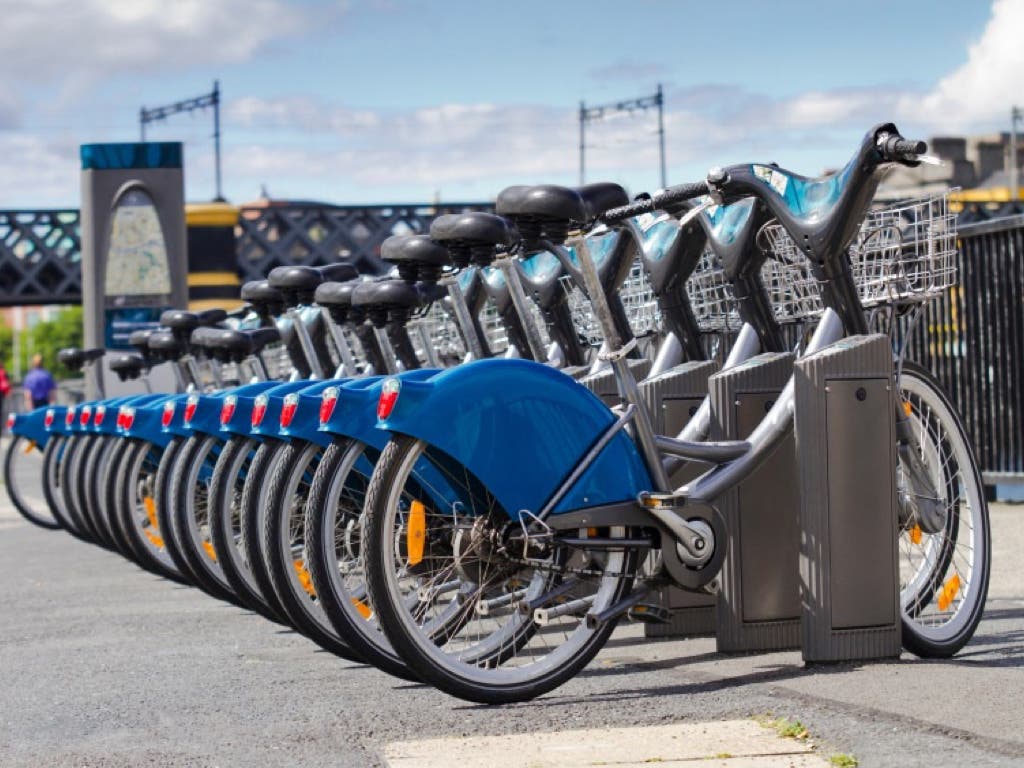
669	196
910	147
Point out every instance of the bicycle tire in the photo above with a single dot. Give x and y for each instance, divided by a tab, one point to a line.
344	602
42	518
255	495
469	672
287	498
230	474
53	455
188	497
128	491
946	449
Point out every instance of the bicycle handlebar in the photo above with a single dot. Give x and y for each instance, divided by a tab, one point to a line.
895	148
669	196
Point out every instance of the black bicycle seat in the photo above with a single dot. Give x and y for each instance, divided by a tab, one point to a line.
386	300
546	211
74	358
127	366
265	300
183	320
601	197
471	237
337	299
166	346
297	284
416	256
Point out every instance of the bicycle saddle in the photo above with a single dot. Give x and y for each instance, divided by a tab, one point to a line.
602	196
297	284
183	320
386	300
265	300
128	366
542	212
471	237
165	346
337	299
416	256
74	358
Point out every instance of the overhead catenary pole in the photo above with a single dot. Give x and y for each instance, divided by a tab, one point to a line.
211	99
588	114
1015	116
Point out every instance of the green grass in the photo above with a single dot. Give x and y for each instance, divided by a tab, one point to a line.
844	761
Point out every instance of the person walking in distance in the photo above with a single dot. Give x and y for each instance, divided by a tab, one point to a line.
40	388
5	390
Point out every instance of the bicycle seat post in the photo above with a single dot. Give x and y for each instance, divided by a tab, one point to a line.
348	365
519	301
617	356
462	316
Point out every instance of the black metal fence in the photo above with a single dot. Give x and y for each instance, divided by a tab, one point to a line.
316	234
972	339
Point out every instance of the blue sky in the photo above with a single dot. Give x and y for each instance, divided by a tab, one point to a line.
383	100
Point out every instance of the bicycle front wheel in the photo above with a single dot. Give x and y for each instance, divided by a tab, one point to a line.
24	477
467	607
944	574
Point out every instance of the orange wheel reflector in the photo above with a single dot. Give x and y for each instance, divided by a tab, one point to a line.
908	409
150	504
591	533
949	591
304	578
30	446
362	607
210	551
155	540
915	534
416	532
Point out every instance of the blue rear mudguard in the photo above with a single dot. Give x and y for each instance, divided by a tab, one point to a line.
521	428
355	412
32	425
245	396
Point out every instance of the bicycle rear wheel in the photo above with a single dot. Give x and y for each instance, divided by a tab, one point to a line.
24	477
943	575
457	597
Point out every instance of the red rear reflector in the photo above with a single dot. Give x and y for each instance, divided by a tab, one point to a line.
69	417
49	418
127	418
388	397
288	409
12	418
168	414
83	417
227	410
190	407
259	410
101	411
327	403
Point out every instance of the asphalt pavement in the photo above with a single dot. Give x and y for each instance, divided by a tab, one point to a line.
102	664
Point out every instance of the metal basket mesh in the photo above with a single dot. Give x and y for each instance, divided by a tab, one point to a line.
906	253
710	296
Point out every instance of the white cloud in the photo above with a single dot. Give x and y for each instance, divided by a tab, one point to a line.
983	88
84	40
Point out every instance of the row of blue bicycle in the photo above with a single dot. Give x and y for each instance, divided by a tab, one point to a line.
460	472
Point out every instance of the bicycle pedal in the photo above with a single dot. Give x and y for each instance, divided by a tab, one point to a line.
649	613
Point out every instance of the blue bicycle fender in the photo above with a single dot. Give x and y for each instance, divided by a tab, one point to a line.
271	423
245	396
32	425
355	411
521	428
305	424
147	424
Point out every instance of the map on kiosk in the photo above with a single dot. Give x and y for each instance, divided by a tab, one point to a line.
137	255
